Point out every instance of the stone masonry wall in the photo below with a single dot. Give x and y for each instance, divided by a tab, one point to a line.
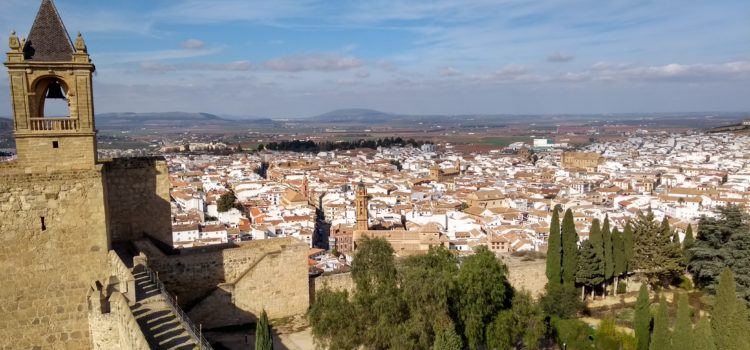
269	274
138	198
37	154
46	270
336	282
115	328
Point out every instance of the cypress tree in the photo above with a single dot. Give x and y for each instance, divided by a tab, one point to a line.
569	238
729	321
263	340
554	250
597	245
665	232
661	337
609	263
642	319
627	243
689	240
589	271
595	236
703	338
618	255
683	329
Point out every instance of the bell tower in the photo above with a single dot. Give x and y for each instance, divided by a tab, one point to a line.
45	66
361	207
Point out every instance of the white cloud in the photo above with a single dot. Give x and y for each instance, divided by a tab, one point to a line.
449	72
193	44
237	66
323	62
560	57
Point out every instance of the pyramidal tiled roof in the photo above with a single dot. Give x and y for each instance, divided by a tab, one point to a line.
48	40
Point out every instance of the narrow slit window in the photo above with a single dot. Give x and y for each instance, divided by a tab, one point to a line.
55	144
44	227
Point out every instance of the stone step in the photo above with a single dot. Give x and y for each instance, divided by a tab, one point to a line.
162	328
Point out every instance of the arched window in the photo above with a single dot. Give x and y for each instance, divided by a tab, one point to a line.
55	101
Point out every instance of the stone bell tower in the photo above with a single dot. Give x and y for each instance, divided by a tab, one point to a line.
48	65
361	207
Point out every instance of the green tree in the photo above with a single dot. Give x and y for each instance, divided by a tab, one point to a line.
654	255
562	301
689	240
618	255
661	339
608	260
427	283
554	250
683	329
703	338
628	242
375	278
729	320
722	242
520	327
642	319
334	320
569	238
263	340
484	292
608	337
590	273
447	339
501	334
226	202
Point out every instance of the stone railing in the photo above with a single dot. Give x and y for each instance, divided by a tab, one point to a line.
53	124
125	278
130	331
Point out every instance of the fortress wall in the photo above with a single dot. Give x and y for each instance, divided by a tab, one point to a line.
278	283
270	273
138	198
336	282
116	329
46	273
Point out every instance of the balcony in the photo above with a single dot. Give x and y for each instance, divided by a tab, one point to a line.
53	124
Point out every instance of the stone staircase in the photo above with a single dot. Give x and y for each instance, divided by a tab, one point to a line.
159	318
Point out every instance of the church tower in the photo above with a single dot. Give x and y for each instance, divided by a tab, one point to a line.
53	217
361	208
46	66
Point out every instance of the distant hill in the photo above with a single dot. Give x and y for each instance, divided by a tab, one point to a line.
355	115
125	121
6	124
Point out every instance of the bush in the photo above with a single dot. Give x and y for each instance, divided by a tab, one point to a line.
562	301
622	287
685	283
575	334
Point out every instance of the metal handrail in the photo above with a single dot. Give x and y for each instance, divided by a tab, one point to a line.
196	332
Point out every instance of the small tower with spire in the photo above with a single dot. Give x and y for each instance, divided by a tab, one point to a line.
361	207
48	65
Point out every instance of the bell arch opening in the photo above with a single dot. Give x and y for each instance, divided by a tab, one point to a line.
54	100
52	112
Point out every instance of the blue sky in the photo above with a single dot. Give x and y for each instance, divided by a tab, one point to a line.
286	58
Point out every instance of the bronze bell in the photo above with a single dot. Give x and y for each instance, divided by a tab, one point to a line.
55	91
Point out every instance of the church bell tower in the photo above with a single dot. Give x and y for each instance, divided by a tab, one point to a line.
361	207
45	66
